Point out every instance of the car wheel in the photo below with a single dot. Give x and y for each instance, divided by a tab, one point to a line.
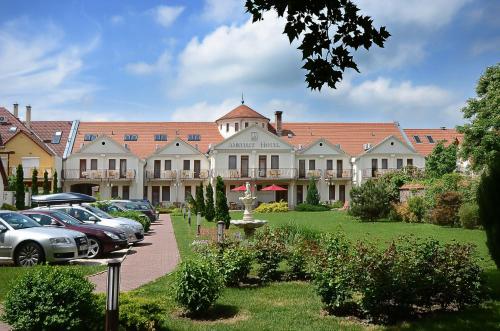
95	248
29	254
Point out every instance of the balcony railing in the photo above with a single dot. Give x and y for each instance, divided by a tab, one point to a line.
256	173
28	172
303	174
194	174
101	174
161	175
371	172
338	174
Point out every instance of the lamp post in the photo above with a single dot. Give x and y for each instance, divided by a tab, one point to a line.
112	294
198	224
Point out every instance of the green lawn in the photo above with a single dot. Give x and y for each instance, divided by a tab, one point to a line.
295	306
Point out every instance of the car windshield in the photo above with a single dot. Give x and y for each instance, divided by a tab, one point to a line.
67	219
18	221
98	212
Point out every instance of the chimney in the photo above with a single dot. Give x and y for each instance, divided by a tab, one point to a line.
16	110
277	122
28	116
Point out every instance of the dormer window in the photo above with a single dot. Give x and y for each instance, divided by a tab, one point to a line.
430	139
160	137
89	137
130	137
194	137
417	139
13	129
56	138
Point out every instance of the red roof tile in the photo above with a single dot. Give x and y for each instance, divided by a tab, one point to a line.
425	147
46	130
242	111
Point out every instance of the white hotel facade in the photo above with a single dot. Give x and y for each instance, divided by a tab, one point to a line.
164	161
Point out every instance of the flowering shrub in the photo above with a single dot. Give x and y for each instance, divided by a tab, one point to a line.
274	207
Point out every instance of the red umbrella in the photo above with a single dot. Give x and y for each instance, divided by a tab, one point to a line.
274	188
241	188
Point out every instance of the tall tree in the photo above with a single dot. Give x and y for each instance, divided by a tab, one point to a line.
20	194
327	32
209	203
221	207
34	182
482	133
55	189
46	183
312	197
200	200
489	207
442	160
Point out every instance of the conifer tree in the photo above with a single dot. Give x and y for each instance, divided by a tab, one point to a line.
221	207
312	197
46	183
20	194
34	182
200	200
209	203
54	183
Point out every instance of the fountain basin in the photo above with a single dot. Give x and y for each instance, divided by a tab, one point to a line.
248	226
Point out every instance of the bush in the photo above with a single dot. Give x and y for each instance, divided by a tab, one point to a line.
268	249
6	206
236	264
370	201
197	285
274	207
50	298
469	215
337	204
312	197
134	215
446	210
308	207
417	207
401	212
140	313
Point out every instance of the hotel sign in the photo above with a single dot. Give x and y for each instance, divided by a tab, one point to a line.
262	144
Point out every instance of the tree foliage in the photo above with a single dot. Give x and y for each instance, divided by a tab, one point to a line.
46	183
327	32
209	203
200	200
20	194
489	207
34	182
482	133
371	200
312	197
442	160
221	207
55	189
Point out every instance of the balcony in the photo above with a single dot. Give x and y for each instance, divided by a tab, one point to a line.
372	173
338	174
28	172
256	173
309	174
167	175
102	174
194	174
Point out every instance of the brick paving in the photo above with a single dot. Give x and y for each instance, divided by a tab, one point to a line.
154	257
150	259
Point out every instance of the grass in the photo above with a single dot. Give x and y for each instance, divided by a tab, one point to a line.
9	273
295	306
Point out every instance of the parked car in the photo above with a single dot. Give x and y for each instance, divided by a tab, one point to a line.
110	207
101	239
137	205
27	243
93	215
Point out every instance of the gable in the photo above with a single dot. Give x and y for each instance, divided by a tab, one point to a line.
22	143
177	147
253	137
391	145
103	145
322	147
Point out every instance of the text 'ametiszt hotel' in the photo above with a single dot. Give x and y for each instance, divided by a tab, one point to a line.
165	161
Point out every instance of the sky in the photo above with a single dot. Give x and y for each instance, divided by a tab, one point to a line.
119	60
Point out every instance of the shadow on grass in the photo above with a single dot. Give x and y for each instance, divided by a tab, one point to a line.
215	313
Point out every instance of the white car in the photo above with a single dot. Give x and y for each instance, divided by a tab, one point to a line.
90	214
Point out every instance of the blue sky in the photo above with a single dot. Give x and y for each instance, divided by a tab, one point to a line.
191	60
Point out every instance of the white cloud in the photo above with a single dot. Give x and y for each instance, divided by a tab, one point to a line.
143	68
425	13
166	15
36	67
117	19
224	10
204	111
251	54
486	46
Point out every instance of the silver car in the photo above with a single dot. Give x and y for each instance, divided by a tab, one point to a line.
27	243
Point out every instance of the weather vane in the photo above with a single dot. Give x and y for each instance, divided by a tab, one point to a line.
242	100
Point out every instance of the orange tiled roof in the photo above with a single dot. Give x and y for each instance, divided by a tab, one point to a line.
350	136
145	144
425	147
242	111
46	130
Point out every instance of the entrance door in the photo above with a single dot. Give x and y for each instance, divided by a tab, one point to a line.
244	166
302	168
342	193
300	194
157	169
282	195
155	190
197	168
262	165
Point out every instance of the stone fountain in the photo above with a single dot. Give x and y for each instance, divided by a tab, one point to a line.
248	224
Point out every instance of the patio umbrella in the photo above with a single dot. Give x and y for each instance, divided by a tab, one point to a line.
241	188
274	188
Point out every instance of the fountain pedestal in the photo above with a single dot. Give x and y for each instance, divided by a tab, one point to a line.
248	224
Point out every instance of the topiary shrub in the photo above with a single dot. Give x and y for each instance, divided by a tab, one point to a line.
140	313
446	210
469	215
51	298
274	207
197	285
308	207
370	201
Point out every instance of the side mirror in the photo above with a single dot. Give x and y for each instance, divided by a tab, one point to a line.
3	228
93	219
